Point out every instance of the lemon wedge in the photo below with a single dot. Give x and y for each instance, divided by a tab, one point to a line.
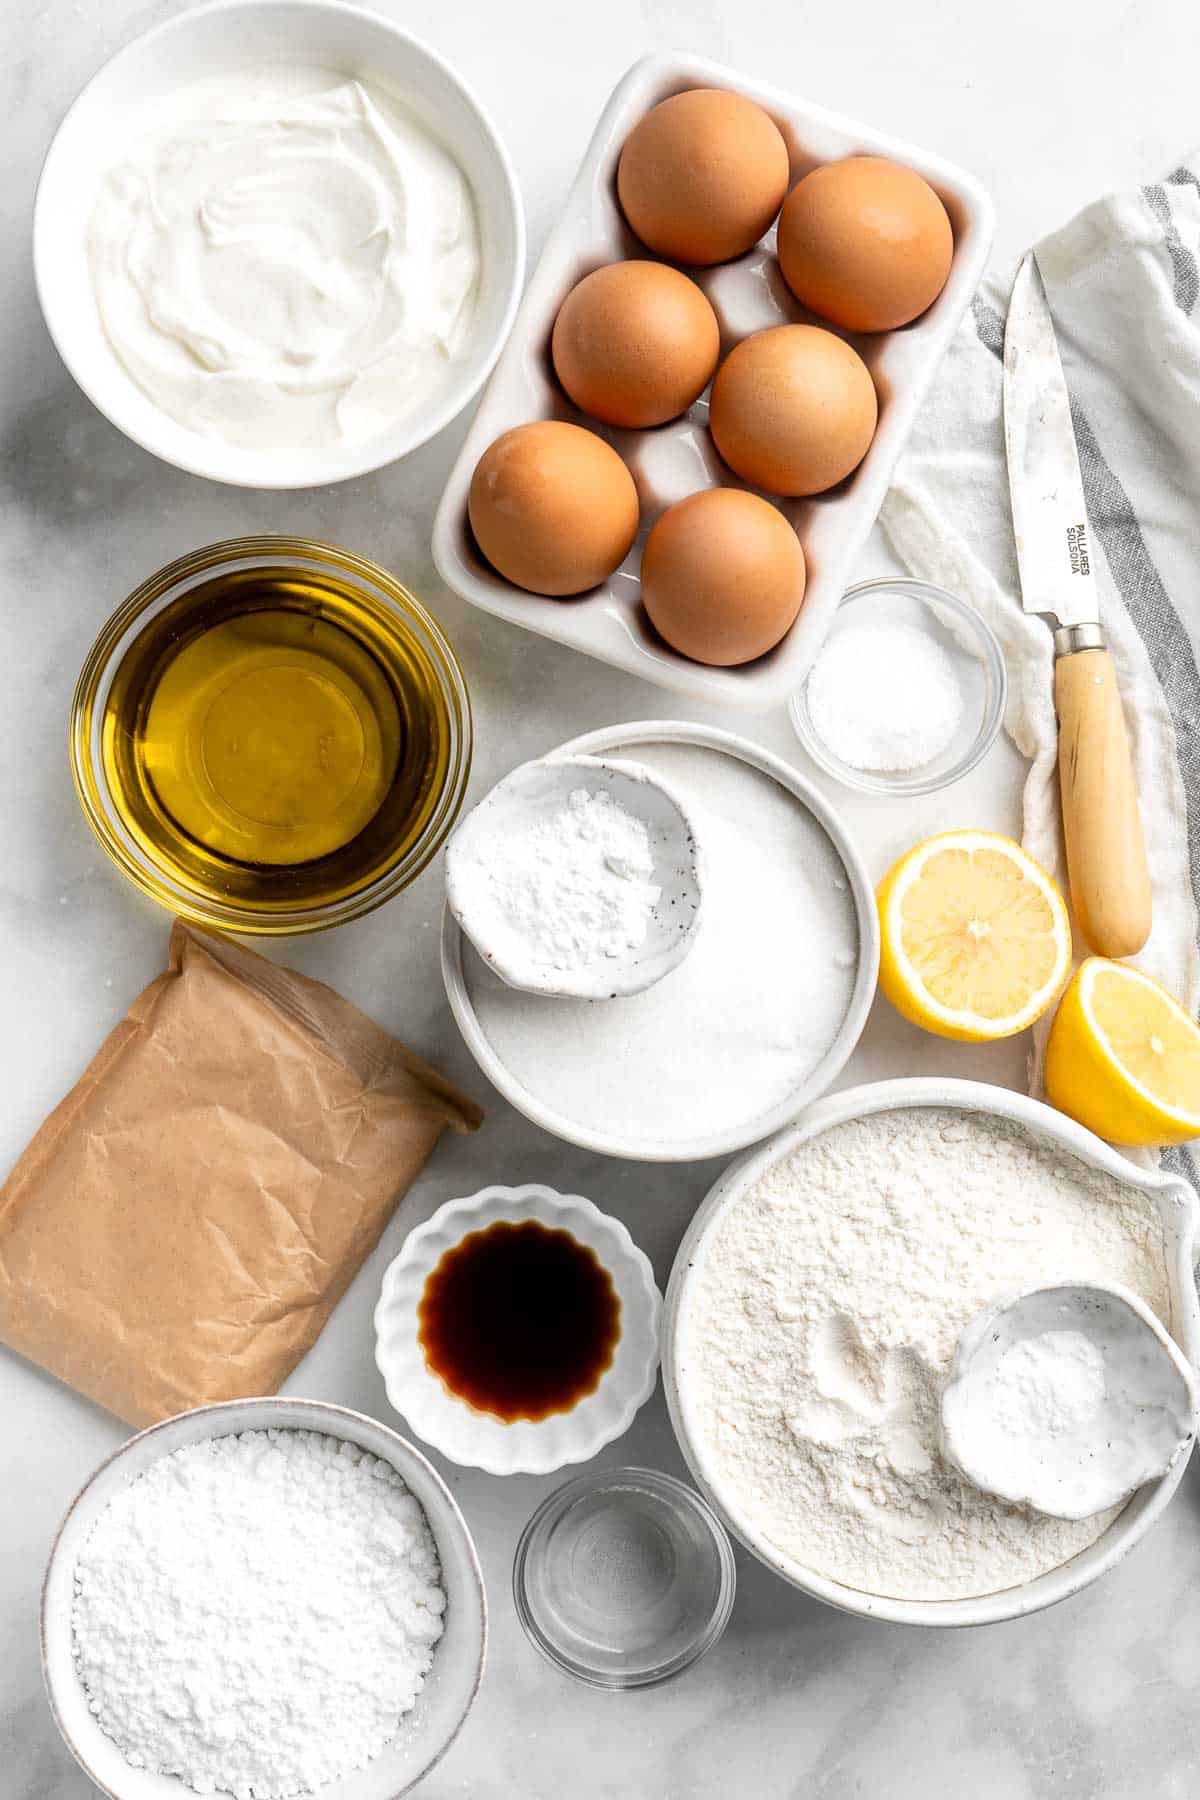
976	940
1123	1057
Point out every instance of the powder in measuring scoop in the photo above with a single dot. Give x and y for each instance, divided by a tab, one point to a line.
884	697
257	1613
1047	1386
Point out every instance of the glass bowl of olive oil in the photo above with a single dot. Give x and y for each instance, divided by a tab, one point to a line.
271	735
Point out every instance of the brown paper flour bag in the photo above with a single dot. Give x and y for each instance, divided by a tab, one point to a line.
185	1221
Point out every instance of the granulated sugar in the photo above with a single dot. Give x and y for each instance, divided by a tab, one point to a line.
257	1613
883	695
824	1321
748	1014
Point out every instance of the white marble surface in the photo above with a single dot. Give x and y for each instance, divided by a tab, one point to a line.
1049	101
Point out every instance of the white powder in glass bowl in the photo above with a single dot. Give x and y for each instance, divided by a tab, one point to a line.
822	1326
883	695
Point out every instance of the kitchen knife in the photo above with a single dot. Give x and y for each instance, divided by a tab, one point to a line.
1102	826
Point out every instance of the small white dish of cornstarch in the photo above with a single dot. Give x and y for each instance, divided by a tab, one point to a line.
579	877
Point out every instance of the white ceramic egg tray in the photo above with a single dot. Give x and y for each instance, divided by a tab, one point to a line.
677	459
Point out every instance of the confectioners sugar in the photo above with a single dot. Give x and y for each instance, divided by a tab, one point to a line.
257	1613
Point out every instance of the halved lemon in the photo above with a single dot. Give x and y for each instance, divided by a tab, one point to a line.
976	939
1123	1057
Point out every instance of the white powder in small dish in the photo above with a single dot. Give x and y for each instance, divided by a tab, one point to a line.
822	1324
745	1018
884	696
568	891
257	1613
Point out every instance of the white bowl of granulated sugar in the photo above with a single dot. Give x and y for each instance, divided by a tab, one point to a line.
272	1596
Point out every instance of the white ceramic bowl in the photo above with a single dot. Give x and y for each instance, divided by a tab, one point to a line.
528	796
618	740
677	459
452	1683
526	1446
233	35
1146	1418
1180	1222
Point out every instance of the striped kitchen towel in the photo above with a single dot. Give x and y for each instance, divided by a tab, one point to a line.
1123	281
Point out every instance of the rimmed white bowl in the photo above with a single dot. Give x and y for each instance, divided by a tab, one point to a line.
618	740
526	1446
1181	1220
450	1687
210	41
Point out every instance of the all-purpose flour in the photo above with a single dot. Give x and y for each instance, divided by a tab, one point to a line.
257	1613
824	1322
746	1016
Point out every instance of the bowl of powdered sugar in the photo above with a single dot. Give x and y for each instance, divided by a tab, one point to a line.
261	1599
812	1321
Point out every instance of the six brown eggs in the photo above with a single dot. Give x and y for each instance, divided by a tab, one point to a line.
864	244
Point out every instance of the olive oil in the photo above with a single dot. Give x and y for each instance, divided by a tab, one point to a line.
276	738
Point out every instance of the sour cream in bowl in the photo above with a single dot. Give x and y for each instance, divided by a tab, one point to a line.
277	242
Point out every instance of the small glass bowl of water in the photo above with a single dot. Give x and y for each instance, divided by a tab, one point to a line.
966	650
624	1578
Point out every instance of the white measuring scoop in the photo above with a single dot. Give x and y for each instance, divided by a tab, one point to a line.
1067	1399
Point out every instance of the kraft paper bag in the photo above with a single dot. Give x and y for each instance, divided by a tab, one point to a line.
185	1221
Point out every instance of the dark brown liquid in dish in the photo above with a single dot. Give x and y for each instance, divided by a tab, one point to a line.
519	1320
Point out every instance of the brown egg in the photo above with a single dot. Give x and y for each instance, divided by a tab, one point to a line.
553	507
865	243
793	409
635	343
722	576
702	176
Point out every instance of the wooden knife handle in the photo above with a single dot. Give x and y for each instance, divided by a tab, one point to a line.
1106	852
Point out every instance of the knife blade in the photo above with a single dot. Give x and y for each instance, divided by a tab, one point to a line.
1048	509
1102	826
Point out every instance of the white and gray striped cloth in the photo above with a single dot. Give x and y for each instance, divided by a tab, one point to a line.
1123	281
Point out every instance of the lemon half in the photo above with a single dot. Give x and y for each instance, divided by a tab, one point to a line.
976	942
1123	1057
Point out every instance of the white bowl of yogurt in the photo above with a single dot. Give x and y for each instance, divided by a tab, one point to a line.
278	243
812	1313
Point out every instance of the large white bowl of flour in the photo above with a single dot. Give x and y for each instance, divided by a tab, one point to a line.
762	1013
813	1309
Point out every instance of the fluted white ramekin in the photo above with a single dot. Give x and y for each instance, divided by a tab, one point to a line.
523	1446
